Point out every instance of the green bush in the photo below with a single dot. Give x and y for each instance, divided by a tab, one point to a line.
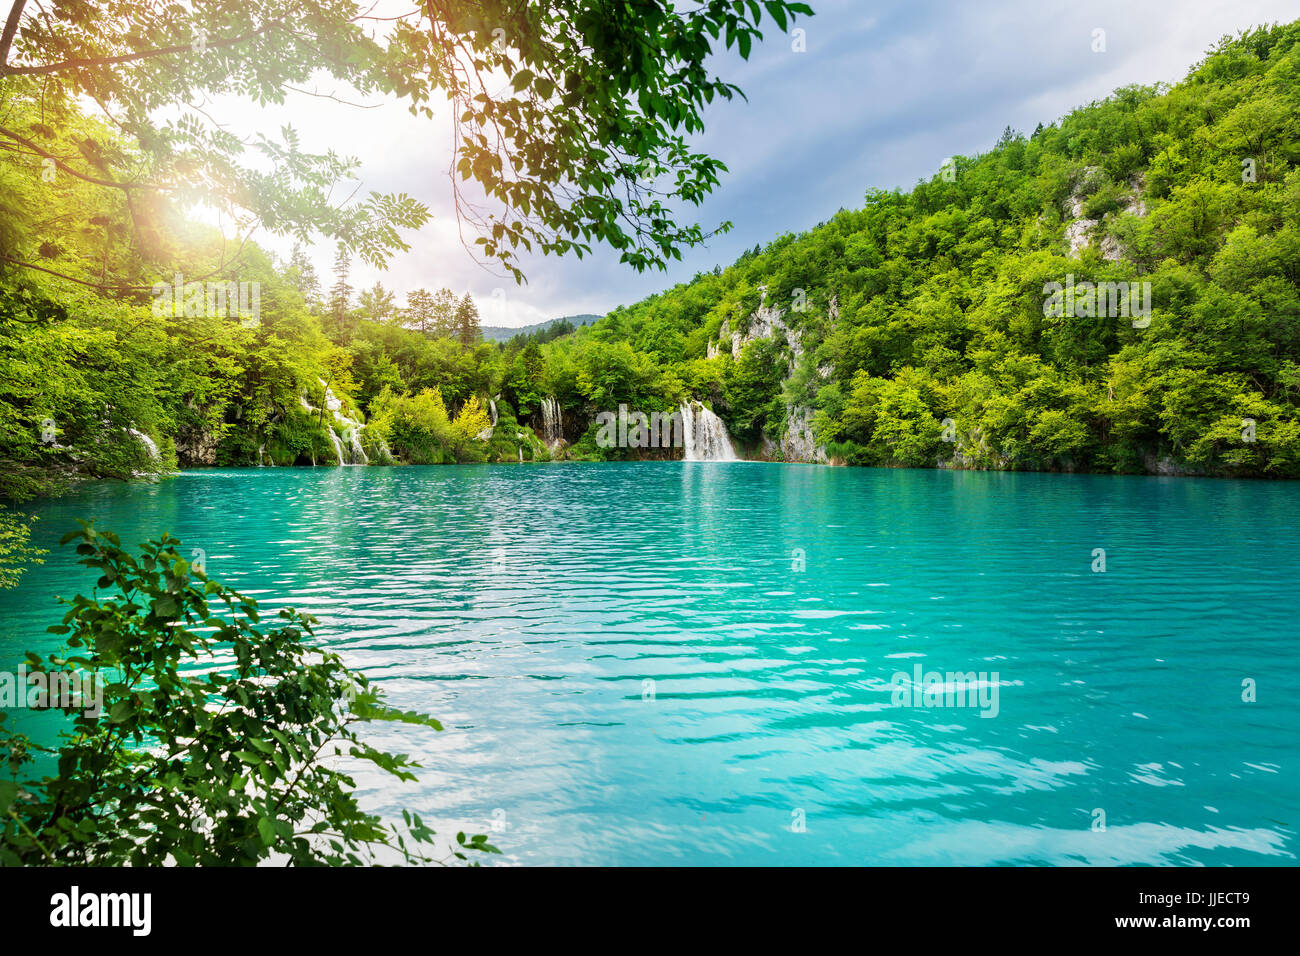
206	747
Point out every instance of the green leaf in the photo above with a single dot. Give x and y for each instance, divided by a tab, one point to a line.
120	711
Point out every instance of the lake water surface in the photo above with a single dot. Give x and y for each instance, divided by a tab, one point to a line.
662	663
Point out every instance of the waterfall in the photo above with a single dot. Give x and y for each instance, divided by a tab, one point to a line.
552	422
351	453
338	445
492	410
704	435
356	453
260	448
146	441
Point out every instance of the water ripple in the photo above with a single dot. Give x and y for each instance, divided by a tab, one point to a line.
693	662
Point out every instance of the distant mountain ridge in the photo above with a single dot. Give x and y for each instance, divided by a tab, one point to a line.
500	333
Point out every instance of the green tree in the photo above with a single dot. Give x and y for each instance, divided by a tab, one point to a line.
15	550
471	421
341	291
377	303
419	314
597	96
302	276
465	322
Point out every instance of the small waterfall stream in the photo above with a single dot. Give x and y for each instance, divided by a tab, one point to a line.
355	451
552	421
705	436
349	450
150	447
338	445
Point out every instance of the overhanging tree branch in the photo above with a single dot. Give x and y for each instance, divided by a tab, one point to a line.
83	62
11	28
110	183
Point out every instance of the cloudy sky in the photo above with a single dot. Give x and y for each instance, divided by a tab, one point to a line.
885	90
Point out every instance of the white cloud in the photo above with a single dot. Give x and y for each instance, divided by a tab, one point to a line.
879	99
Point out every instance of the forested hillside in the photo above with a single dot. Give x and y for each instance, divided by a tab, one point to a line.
934	305
918	330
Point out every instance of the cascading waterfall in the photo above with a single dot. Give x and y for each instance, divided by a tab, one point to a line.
338	445
351	452
149	445
552	422
385	454
492	410
357	453
704	435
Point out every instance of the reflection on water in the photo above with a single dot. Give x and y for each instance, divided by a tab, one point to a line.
691	662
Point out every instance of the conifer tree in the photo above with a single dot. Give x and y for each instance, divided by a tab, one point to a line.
341	293
419	311
466	324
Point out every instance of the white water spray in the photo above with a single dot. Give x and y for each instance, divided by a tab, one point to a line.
552	422
705	436
351	453
149	445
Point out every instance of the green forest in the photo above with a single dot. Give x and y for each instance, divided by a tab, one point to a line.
913	331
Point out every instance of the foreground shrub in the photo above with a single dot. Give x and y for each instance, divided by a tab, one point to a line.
207	740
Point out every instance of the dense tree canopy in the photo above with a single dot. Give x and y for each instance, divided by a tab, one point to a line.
570	124
570	116
932	306
917	330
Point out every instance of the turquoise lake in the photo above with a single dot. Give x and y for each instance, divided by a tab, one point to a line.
691	663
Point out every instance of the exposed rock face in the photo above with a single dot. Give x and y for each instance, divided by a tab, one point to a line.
1077	233
798	442
766	322
196	447
1136	204
1165	464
